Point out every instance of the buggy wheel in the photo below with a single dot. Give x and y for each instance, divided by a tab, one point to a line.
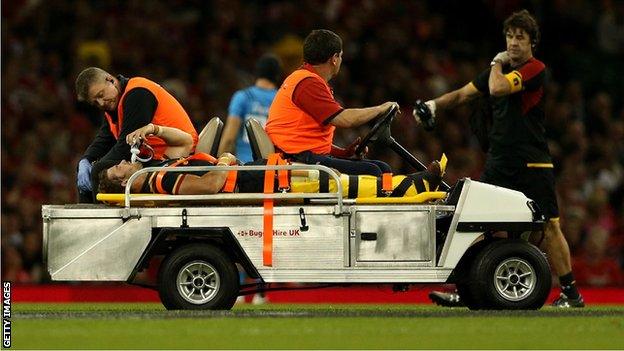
462	272
198	276
510	274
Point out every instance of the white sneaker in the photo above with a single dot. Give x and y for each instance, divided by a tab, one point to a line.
240	300
259	300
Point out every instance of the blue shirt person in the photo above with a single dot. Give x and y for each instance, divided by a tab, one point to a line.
251	102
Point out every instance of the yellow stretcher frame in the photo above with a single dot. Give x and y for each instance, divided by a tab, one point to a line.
118	199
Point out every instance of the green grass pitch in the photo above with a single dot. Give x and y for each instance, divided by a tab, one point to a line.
274	326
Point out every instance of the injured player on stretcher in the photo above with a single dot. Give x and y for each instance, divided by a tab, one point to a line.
114	178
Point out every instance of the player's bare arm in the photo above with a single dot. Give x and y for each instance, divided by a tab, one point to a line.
456	98
209	183
425	112
498	83
228	139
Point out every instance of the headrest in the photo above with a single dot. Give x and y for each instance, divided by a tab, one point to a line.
210	137
261	145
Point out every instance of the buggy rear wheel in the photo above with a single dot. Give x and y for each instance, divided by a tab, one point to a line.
198	276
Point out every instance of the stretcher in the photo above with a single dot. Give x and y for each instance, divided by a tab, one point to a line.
196	242
362	189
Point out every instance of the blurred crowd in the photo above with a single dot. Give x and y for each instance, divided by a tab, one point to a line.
203	51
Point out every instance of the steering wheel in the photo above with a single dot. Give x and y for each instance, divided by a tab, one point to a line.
381	127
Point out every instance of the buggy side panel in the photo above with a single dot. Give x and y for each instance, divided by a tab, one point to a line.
106	249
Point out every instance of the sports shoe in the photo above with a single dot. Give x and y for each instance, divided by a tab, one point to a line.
565	302
451	299
259	300
240	300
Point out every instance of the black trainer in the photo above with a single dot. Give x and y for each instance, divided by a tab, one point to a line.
451	299
565	302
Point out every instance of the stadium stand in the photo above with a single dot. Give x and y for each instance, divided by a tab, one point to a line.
203	51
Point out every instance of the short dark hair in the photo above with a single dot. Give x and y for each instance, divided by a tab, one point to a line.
86	78
525	21
320	45
269	67
108	186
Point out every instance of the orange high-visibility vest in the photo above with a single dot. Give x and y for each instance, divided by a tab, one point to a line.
290	128
169	113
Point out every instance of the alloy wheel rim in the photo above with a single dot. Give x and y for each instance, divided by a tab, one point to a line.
514	279
198	282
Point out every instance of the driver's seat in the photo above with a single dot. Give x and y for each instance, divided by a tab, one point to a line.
261	144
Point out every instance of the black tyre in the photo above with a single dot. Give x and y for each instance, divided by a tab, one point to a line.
510	274
198	276
462	275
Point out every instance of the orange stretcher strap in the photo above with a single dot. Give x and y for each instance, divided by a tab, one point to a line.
230	182
267	236
282	175
203	156
161	174
386	183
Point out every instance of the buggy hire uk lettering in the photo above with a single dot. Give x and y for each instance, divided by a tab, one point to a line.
6	314
276	232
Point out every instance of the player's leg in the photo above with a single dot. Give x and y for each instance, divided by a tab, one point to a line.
539	185
352	167
556	247
384	167
558	253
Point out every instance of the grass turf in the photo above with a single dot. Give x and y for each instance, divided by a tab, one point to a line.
273	326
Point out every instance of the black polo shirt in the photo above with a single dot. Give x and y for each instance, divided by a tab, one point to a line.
517	137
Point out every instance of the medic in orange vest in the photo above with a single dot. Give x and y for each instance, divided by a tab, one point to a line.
128	104
304	113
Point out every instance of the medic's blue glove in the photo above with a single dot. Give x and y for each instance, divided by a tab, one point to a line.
84	175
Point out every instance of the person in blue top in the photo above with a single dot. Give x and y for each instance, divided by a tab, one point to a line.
251	102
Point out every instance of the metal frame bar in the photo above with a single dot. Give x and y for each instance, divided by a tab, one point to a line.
337	195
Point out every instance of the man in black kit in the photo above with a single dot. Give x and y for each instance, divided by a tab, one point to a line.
518	157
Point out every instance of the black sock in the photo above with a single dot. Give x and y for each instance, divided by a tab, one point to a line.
568	286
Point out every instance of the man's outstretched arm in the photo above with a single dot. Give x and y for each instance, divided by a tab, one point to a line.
354	117
457	97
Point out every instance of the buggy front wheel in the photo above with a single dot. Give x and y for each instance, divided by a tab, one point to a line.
510	274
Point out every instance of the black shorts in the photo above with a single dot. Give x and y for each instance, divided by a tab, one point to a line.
537	184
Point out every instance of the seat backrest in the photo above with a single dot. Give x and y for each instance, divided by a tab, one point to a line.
210	137
261	145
